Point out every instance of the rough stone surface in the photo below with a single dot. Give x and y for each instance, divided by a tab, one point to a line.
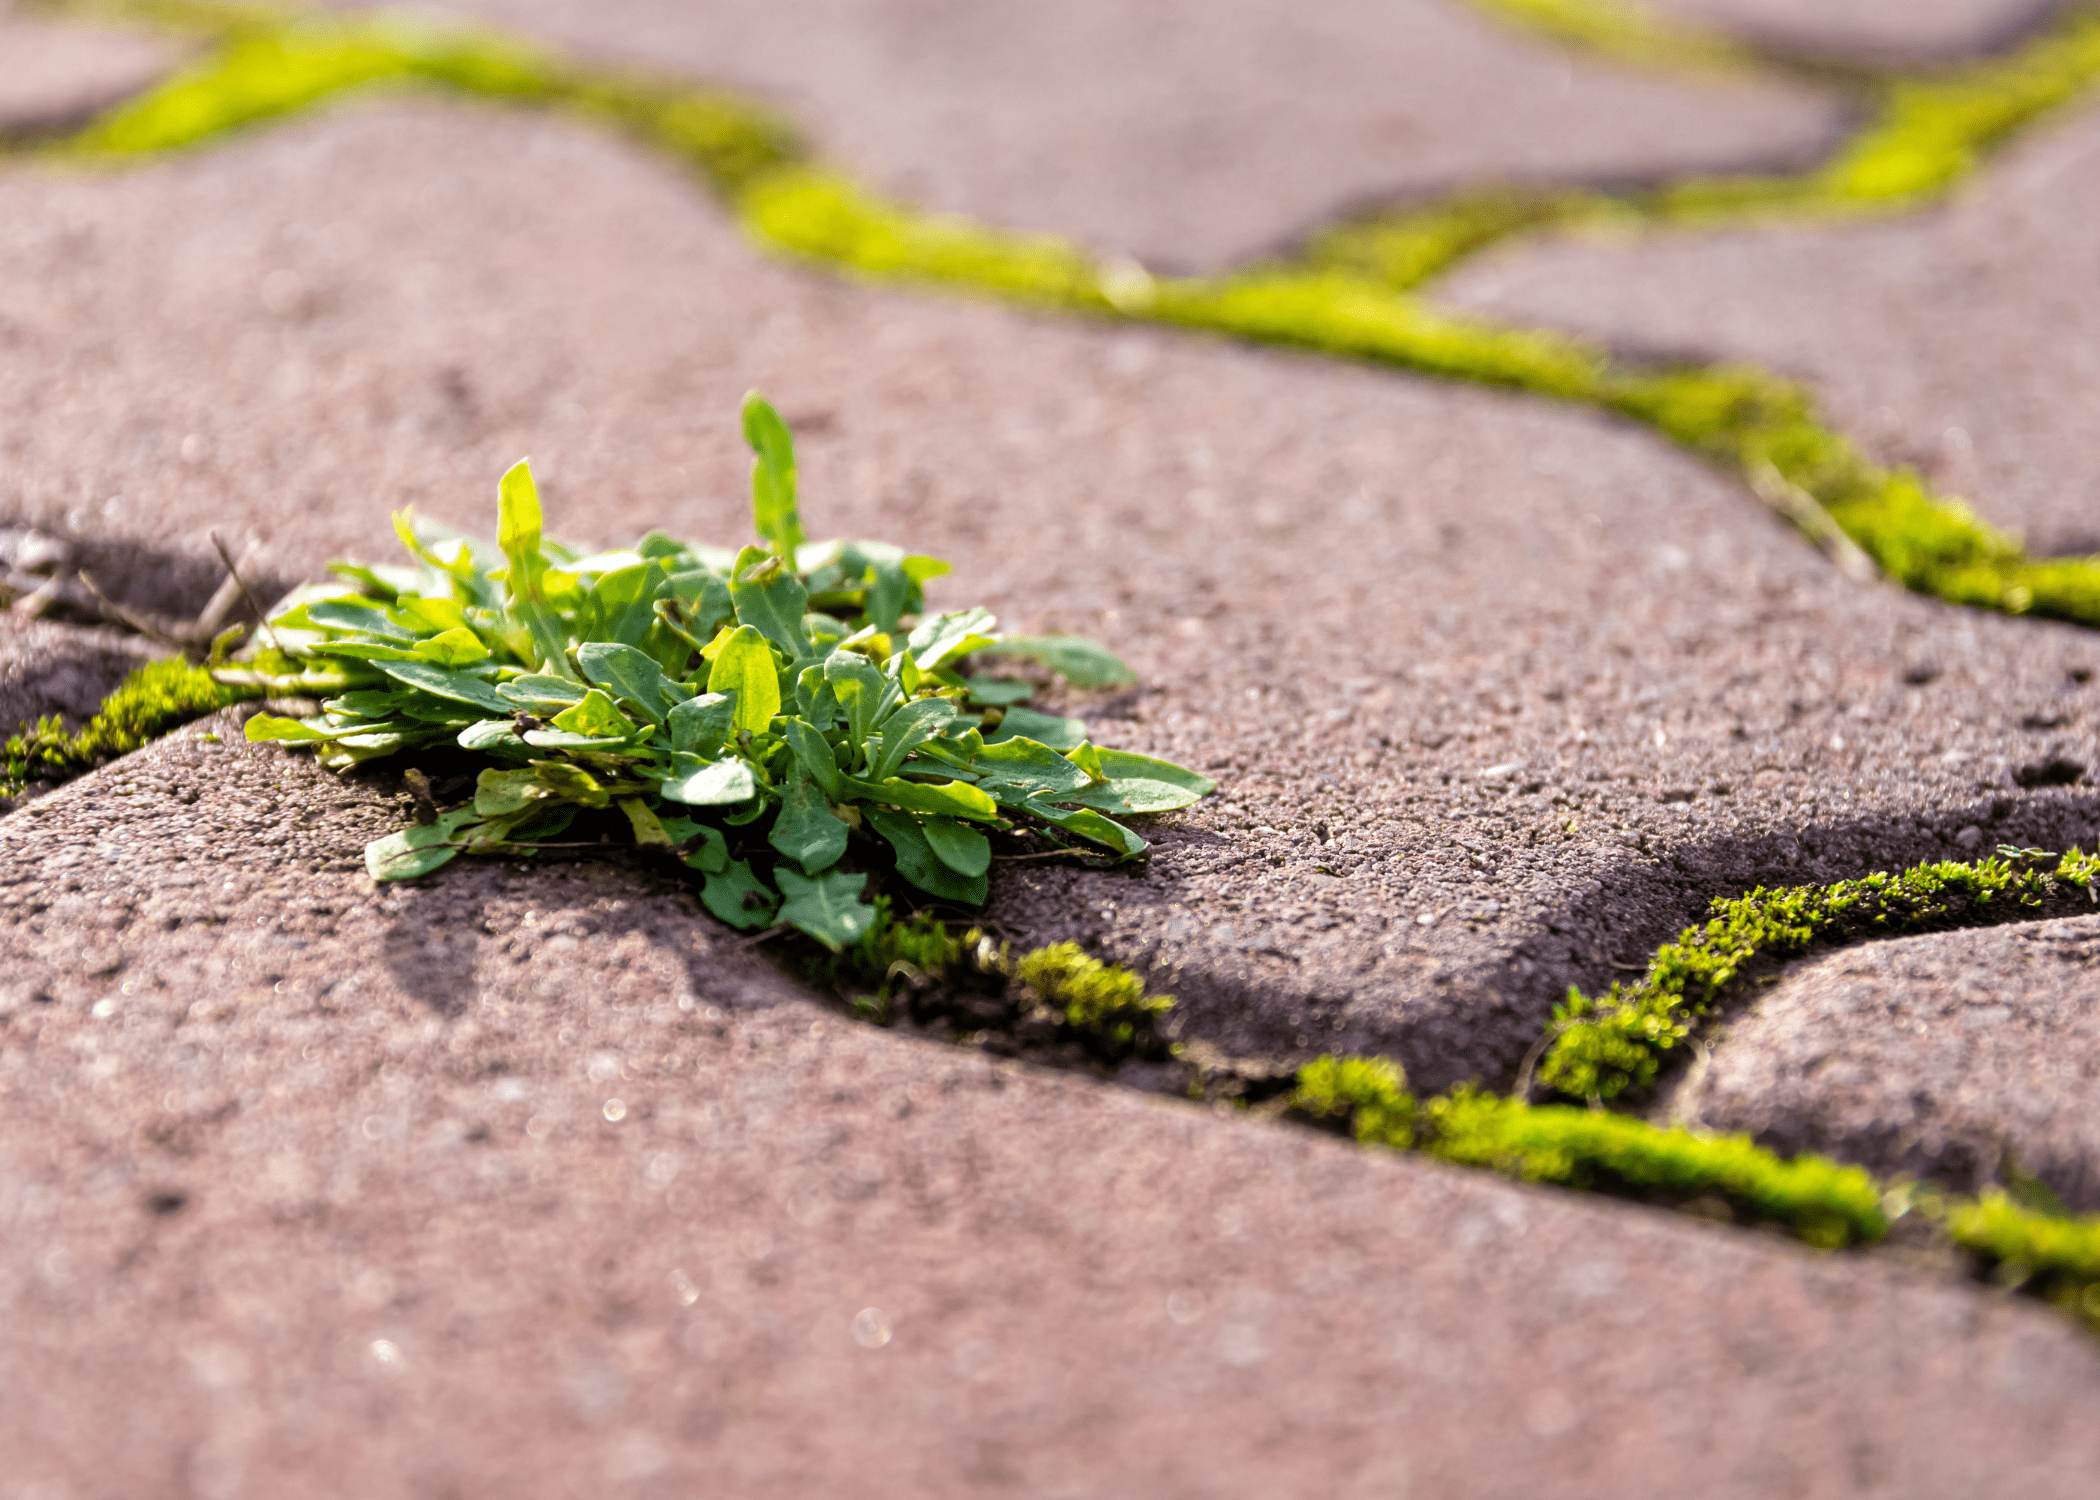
1964	341
59	669
1187	134
52	75
1933	1056
1880	30
1453	655
530	1183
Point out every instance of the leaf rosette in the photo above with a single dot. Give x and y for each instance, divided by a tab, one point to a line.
767	715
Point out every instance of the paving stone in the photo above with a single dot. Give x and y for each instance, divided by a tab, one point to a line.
56	73
1933	1056
1882	30
1499	694
534	1184
1962	340
47	668
1187	134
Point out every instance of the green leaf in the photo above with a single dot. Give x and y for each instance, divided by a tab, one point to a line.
700	783
807	831
572	783
739	898
491	736
1045	729
907	729
1016	769
500	793
443	682
945	638
596	715
963	850
712	855
701	597
997	692
453	648
648	831
621	605
701	725
1083	662
773	510
342	614
1087	824
770	599
917	862
745	666
264	728
828	907
518	535
625	672
956	799
1141	784
541	693
862	691
815	755
417	849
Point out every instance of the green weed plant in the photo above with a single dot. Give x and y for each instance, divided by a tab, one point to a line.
750	711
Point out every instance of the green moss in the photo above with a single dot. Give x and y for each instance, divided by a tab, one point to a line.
1823	1203
1606	1044
2053	1255
156	698
1630	34
1096	999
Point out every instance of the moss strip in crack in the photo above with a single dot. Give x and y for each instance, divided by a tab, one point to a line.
1924	135
1764	429
2054	1256
1622	33
1819	1201
1601	1046
154	699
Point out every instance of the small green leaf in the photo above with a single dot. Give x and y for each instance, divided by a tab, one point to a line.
963	850
490	735
453	648
596	715
739	898
815	755
917	862
701	725
1082	662
956	799
1045	729
648	831
1087	824
946	638
419	848
518	536
572	783
827	907
541	693
500	793
771	600
807	831
862	691
711	857
907	729
264	728
443	682
1015	769
997	692
773	510
718	783
1141	784
627	673
745	666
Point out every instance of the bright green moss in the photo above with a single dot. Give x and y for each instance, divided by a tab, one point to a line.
2057	1257
1623	33
154	699
1603	1045
1101	1000
1400	249
1370	1093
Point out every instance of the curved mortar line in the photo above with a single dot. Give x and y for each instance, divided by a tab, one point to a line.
1764	429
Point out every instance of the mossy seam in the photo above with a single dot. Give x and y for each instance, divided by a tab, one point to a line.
154	699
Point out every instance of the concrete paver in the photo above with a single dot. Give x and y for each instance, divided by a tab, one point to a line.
535	1183
57	73
1962	340
1186	134
1933	1056
1880	30
1454	655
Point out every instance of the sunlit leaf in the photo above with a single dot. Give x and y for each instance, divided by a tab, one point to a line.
806	831
1082	662
716	783
745	666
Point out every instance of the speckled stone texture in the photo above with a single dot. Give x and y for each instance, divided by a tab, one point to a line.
1452	655
53	75
1881	31
1188	133
1963	340
534	1184
57	669
1932	1056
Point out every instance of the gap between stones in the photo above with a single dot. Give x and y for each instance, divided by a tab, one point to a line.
1345	297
